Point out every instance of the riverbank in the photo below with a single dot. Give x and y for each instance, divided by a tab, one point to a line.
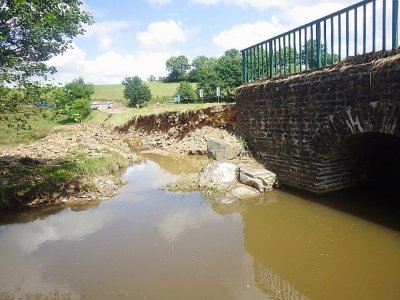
72	164
79	163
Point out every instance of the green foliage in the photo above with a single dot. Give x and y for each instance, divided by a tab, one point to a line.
225	72
136	91
177	66
30	179
31	32
186	91
78	109
309	57
78	89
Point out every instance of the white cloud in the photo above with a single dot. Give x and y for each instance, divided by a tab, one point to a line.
267	4
159	2
163	33
109	67
105	31
249	34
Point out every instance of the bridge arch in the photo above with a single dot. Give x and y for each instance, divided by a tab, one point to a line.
358	145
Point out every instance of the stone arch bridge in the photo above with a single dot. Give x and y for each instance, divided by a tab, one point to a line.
326	130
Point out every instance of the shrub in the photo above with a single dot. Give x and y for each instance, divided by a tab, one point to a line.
78	110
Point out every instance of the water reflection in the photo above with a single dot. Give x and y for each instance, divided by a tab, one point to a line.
19	275
151	244
179	222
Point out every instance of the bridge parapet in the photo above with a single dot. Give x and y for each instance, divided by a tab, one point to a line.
313	129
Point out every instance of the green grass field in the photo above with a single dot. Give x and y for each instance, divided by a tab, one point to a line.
163	92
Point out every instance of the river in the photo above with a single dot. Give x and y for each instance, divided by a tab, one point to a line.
147	243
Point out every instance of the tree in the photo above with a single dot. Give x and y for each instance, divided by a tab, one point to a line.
152	78
136	91
186	91
229	70
198	63
309	57
177	66
78	110
31	32
78	88
208	79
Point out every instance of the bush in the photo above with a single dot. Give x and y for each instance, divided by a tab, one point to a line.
136	91
186	91
78	110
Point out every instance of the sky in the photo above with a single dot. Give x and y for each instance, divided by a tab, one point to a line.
132	38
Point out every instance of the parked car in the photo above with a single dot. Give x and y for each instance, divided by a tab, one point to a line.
42	104
110	104
94	105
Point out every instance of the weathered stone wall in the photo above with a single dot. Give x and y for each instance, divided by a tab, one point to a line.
302	127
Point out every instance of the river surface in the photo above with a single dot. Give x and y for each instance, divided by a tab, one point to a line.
147	243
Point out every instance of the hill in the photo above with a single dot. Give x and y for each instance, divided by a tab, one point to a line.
115	92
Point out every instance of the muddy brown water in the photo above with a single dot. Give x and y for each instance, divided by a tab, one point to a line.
150	244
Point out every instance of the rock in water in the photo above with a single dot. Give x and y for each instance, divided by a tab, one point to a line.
218	175
261	179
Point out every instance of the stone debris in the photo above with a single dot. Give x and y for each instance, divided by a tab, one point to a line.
221	149
261	179
218	175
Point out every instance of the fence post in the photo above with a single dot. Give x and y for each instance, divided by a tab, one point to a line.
244	68
318	41
395	24
270	59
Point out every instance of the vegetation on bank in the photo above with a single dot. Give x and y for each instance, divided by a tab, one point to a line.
30	179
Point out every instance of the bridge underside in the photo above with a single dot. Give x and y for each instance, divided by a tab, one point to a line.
326	130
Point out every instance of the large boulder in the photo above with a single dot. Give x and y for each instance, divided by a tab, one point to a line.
261	179
218	176
219	149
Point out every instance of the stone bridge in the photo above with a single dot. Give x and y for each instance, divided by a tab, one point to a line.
326	130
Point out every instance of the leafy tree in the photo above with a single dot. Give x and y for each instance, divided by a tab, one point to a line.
309	57
229	70
209	79
152	78
186	91
225	72
78	88
197	64
31	32
79	109
177	66
136	91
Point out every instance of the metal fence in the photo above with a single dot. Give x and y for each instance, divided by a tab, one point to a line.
366	27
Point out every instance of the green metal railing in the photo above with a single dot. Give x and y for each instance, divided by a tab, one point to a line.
366	27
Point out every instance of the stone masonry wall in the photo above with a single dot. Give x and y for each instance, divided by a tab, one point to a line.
299	126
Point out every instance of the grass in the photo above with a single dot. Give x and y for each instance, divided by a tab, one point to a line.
40	127
160	91
28	182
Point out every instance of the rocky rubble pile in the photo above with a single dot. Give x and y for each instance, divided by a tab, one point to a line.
72	139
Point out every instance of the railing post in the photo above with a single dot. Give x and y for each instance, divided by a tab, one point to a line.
244	66
395	24
318	41
270	59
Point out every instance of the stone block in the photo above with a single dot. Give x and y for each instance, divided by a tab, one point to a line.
222	150
261	179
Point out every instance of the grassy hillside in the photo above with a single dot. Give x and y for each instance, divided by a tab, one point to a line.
159	90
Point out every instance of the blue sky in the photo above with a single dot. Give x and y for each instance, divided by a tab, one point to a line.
137	37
